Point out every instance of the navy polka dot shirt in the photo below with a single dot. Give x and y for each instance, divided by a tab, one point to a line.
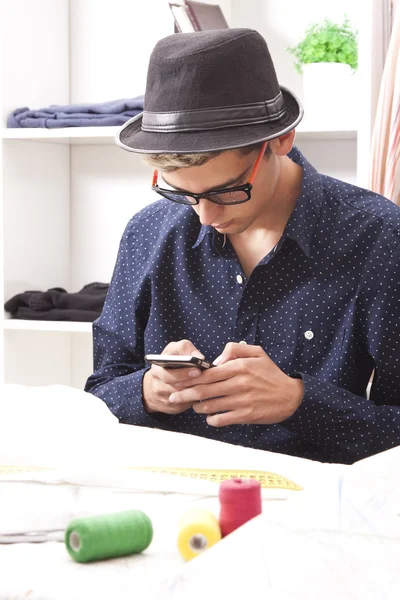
324	305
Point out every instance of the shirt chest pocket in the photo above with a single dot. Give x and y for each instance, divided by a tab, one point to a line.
315	350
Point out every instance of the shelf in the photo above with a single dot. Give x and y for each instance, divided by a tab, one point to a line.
66	135
106	135
306	131
60	326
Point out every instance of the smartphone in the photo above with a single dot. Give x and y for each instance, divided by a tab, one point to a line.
176	361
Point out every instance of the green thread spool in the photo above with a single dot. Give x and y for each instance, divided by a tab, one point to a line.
108	536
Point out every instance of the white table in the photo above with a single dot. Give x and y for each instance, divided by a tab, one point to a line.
335	498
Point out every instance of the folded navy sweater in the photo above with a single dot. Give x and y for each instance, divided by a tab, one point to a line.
115	112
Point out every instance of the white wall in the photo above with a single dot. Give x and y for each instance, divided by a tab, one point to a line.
108	185
32	45
111	45
36	212
280	24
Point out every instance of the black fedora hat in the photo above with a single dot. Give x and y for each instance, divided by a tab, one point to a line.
210	90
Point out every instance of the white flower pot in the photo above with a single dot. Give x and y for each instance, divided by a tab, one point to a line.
330	96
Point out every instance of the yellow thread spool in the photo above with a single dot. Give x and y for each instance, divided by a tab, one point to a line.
198	530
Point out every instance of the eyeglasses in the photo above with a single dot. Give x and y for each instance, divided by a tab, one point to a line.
232	195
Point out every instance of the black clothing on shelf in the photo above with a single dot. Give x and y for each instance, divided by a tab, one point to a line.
58	305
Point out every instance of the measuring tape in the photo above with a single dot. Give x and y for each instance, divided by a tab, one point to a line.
12	469
266	479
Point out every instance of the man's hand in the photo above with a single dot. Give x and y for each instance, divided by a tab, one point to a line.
246	384
159	383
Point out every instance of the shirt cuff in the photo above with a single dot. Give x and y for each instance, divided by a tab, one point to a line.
124	397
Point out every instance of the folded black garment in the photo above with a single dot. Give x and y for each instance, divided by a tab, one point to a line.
24	299
36	305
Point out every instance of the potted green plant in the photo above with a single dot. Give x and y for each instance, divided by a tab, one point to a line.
327	58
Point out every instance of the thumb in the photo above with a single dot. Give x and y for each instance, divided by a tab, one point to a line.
182	347
233	350
198	354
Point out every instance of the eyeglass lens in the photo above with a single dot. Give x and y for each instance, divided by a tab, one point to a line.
221	198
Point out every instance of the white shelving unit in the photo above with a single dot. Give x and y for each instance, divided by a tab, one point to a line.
68	135
67	194
59	326
106	135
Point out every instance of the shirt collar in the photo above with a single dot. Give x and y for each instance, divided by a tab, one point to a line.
218	239
301	224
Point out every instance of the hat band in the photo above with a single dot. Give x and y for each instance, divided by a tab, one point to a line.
215	118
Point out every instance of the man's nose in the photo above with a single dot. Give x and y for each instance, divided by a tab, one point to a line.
208	211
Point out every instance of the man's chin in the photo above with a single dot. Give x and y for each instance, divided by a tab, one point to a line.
236	229
224	227
231	228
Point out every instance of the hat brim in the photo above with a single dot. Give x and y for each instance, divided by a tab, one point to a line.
131	137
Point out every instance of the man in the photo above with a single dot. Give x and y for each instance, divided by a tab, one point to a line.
249	244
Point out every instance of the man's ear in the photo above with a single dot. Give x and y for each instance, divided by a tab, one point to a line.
283	144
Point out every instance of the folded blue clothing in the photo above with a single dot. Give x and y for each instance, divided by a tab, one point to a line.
114	112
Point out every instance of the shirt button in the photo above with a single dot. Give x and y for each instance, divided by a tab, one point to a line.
309	335
239	278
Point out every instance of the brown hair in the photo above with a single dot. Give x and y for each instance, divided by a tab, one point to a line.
173	162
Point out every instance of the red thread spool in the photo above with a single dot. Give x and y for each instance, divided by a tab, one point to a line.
240	501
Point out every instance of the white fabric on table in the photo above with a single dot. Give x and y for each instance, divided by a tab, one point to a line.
86	452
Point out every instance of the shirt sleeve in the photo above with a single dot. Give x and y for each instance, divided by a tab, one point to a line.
118	338
347	427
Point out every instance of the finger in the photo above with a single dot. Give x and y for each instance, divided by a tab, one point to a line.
235	368
158	392
182	347
233	417
162	394
163	390
175	376
168	409
233	350
215	405
201	392
161	404
222	372
174	409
